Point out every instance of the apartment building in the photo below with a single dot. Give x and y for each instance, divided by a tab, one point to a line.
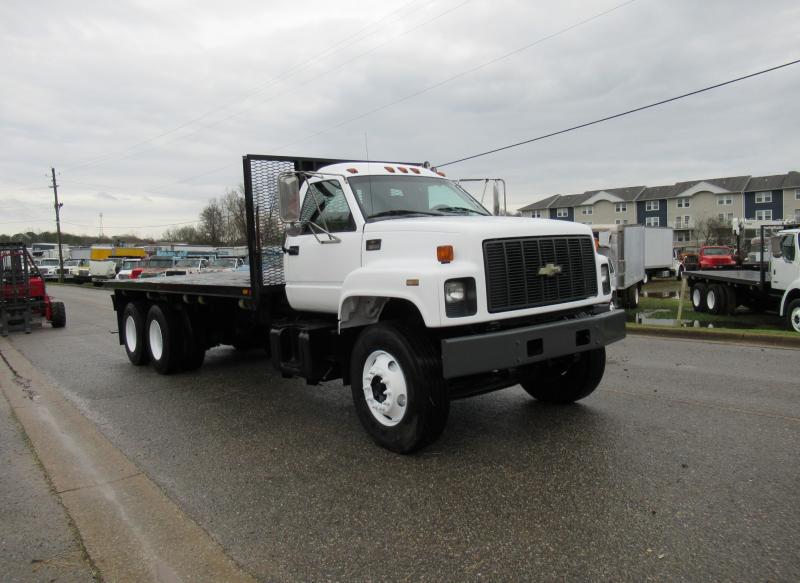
684	206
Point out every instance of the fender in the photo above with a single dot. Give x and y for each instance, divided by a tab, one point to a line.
792	291
366	290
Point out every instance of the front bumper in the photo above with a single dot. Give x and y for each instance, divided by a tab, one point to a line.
481	353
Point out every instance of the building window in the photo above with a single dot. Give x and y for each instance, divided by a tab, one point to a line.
586	210
536	214
725	218
797	193
678	222
683	203
622	207
724	199
686	219
764	215
625	221
652	222
562	213
682	236
762	197
797	215
651	205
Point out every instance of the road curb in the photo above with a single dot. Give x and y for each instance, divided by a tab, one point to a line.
715	335
131	530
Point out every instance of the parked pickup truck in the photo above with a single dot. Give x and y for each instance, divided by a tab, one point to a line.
712	257
398	282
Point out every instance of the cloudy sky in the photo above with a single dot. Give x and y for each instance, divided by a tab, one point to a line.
146	107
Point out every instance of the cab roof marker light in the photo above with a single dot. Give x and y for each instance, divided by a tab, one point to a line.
402	169
414	170
389	169
353	170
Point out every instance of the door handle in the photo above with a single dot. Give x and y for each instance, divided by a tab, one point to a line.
292	250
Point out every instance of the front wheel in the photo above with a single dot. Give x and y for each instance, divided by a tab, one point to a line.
793	315
566	379
397	385
58	315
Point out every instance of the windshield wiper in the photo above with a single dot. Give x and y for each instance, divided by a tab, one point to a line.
407	212
453	209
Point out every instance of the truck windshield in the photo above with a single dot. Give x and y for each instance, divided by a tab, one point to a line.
393	196
717	251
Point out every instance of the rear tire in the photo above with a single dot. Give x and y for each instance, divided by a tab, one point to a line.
793	315
164	339
58	314
699	297
567	379
133	332
194	342
397	385
715	299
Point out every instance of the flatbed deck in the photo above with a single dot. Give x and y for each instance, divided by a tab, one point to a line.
230	284
741	276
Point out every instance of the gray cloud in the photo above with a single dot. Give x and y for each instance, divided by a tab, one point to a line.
87	80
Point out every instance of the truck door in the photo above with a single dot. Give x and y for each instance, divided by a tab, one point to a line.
784	267
327	249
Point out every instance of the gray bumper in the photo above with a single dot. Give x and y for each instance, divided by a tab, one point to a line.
481	353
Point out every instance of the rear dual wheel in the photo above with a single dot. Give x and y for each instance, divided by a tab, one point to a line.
170	339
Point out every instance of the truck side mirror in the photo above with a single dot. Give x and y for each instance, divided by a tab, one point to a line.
289	198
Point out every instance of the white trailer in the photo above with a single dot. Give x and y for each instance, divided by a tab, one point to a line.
658	255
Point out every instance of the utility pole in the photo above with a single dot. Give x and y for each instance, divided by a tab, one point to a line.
58	206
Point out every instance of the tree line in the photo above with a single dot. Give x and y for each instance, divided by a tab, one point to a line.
223	221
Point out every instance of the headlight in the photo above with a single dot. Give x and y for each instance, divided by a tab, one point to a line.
605	279
454	292
459	297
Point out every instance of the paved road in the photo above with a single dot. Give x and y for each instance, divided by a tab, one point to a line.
683	465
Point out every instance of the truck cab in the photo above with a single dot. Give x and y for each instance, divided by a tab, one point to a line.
436	296
784	272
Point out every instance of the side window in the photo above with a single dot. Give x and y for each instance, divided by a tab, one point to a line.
326	206
787	247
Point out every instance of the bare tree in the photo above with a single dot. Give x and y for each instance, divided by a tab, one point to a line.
212	225
233	205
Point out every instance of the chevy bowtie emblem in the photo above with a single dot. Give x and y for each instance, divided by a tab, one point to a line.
550	270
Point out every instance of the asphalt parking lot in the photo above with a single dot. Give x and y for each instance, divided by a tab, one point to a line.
684	465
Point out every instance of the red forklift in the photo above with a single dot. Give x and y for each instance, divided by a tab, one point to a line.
23	298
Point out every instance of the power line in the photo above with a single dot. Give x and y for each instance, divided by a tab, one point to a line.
463	73
624	113
341	45
428	88
273	96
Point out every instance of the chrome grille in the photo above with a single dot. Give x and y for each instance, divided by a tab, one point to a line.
513	281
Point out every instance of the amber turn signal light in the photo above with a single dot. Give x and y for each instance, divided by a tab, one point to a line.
444	253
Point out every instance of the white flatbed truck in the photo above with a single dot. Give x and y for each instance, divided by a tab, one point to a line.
774	285
395	280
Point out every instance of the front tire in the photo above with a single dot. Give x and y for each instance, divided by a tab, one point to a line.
397	385
58	315
793	315
567	379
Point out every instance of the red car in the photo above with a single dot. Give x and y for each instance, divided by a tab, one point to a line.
715	257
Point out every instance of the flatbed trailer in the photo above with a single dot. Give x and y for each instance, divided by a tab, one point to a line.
410	307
